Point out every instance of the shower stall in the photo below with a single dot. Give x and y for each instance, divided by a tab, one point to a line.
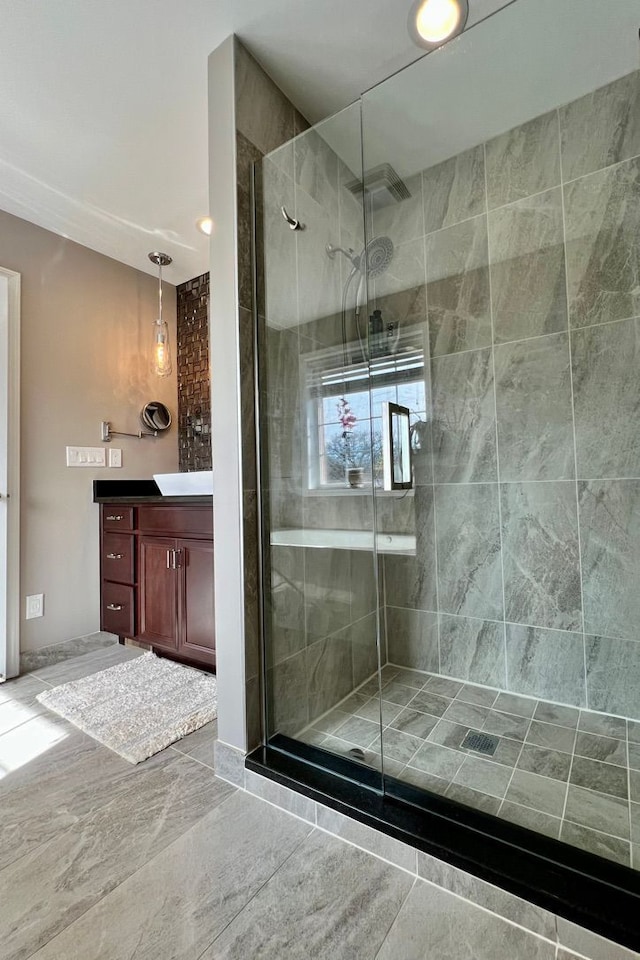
448	290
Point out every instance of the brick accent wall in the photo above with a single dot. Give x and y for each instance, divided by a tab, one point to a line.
194	387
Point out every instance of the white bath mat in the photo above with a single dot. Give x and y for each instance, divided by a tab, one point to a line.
139	707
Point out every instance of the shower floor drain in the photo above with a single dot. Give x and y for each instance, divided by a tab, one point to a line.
481	743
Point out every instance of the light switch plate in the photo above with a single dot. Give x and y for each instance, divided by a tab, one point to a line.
115	457
86	457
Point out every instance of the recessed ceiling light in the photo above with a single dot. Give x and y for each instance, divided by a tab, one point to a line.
205	225
433	22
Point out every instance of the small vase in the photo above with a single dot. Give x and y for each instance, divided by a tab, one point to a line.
354	476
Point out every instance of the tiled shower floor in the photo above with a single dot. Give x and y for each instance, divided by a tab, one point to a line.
568	773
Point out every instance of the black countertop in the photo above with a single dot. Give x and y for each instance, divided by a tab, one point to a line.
138	491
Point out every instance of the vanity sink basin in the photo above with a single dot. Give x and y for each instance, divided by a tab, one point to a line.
195	484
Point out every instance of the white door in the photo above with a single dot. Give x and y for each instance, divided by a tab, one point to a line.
9	473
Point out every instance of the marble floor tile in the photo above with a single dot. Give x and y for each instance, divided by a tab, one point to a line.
481	695
193	888
198	738
468	544
528	282
427	702
24	689
467	713
399	693
547	763
458	288
506	725
555	713
415	723
541	555
443	686
612	848
606	395
597	811
518	706
601	748
435	923
437	760
326	899
535	419
454	190
540	793
532	819
523	161
374	708
472	798
551	736
463	425
50	887
603	245
359	731
484	776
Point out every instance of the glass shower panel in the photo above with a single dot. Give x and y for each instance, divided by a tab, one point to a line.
504	173
320	579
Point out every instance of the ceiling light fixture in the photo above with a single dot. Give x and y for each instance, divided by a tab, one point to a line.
160	352
205	225
433	22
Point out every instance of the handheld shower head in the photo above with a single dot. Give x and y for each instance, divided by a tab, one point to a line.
376	256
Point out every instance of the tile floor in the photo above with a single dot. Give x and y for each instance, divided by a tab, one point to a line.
103	860
568	773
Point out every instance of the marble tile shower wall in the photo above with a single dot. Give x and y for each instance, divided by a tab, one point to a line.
321	616
524	254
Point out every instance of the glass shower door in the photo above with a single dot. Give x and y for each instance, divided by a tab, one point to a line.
319	466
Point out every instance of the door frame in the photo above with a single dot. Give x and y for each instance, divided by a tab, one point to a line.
11	627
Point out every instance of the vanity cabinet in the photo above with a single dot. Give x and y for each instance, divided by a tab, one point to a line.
157	577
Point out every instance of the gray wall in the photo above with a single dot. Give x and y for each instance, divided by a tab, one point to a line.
528	561
248	117
85	341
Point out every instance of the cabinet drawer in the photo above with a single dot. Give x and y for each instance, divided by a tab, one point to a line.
118	609
116	517
118	553
177	521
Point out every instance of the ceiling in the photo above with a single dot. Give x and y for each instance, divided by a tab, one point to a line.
103	104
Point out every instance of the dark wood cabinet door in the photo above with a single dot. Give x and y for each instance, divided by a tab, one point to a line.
197	626
158	592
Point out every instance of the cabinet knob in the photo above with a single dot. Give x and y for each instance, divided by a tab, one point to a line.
115	517
115	556
114	606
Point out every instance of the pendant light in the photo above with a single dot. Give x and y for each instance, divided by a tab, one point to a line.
160	351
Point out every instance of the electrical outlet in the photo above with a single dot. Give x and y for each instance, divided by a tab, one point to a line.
35	606
115	457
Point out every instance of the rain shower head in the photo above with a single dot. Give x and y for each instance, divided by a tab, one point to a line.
377	255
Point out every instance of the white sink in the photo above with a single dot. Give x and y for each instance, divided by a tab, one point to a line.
195	484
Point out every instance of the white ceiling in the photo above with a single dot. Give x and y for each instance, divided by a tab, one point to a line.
103	104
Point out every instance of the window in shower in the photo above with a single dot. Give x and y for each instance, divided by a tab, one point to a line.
344	408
